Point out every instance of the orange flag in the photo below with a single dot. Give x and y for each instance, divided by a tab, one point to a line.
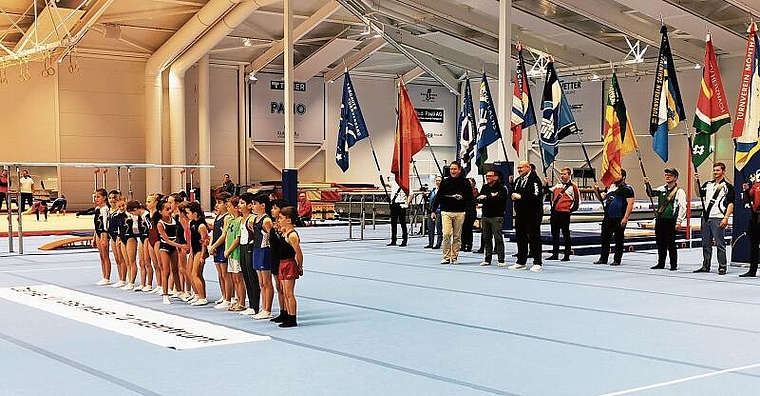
410	138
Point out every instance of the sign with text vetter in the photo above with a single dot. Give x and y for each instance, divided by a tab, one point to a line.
268	109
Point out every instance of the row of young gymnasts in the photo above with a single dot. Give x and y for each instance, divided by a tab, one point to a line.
253	244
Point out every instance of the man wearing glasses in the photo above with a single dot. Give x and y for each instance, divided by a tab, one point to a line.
493	196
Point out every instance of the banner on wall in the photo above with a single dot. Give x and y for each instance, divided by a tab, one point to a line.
268	109
437	110
585	100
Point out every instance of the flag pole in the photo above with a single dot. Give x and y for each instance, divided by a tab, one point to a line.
690	138
427	143
644	173
377	165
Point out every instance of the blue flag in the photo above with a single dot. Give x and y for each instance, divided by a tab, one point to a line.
466	134
667	106
352	127
557	120
488	128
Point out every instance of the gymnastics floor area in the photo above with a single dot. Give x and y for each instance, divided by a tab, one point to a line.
377	320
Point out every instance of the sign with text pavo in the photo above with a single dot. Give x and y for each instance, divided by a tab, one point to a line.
268	109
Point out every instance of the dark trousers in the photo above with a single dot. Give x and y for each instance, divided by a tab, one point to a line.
467	226
434	230
2	199
398	215
612	227
753	232
528	232
665	234
252	288
26	198
560	221
42	208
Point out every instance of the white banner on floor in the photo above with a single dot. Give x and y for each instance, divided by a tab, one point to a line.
156	327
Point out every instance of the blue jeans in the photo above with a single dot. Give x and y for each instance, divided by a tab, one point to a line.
711	231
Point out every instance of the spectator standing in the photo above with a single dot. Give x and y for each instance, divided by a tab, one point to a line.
26	187
453	195
493	196
719	197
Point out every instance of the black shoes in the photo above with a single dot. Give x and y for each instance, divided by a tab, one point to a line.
403	244
552	257
701	269
615	263
437	247
673	268
722	271
748	274
658	266
281	318
428	246
290	321
566	258
480	251
391	244
600	262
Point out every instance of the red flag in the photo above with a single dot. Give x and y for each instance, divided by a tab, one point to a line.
410	139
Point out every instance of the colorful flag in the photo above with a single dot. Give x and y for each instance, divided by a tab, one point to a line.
712	108
523	115
488	128
667	106
467	134
747	122
557	120
410	138
352	127
619	137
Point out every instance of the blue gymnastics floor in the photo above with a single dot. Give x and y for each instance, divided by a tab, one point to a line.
377	320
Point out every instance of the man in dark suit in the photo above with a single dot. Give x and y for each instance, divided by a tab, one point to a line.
529	211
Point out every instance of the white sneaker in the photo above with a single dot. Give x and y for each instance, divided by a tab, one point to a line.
223	305
103	282
233	300
248	312
517	267
166	300
147	288
193	300
485	264
501	264
128	287
158	290
120	283
138	288
199	302
445	261
219	301
536	268
263	315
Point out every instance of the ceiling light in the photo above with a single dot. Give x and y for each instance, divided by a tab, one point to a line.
247	42
697	66
252	77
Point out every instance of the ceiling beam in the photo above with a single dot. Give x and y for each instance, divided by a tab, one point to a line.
322	58
412	74
745	6
685	20
608	14
431	65
444	53
356	59
303	28
147	14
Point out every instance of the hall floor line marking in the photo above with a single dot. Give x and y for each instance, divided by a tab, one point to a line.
681	380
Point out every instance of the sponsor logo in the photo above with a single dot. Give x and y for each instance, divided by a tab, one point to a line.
159	328
280	86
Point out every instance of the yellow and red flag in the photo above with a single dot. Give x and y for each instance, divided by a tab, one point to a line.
619	138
